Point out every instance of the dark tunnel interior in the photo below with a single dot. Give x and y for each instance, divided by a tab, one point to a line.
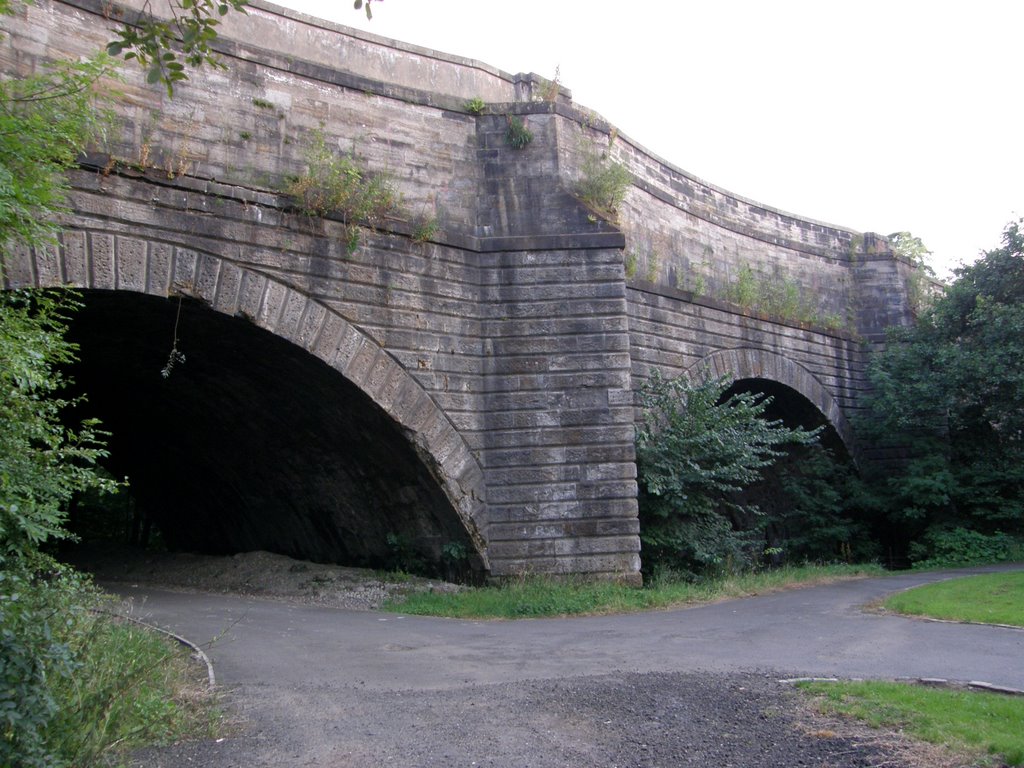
251	443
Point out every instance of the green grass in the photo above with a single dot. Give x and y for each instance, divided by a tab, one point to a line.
134	688
538	596
994	598
978	722
88	685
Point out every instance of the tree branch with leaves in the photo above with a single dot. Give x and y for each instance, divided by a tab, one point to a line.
696	448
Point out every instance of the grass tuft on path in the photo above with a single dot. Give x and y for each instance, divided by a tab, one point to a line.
537	596
992	598
975	722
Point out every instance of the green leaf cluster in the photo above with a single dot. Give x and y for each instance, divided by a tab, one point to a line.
165	48
43	462
948	393
816	509
517	135
77	686
46	120
696	448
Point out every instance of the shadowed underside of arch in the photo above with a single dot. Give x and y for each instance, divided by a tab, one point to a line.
163	270
753	363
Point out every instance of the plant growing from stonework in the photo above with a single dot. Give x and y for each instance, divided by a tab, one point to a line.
777	297
337	185
653	266
630	262
475	106
603	182
425	229
517	135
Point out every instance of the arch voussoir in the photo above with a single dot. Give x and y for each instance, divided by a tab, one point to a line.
755	363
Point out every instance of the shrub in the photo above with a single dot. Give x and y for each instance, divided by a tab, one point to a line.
695	449
951	547
517	134
336	184
817	510
603	183
76	684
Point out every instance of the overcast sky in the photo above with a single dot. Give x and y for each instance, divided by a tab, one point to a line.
873	115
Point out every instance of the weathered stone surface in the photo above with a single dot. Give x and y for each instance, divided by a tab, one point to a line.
507	351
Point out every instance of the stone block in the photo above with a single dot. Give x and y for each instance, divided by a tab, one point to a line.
101	261
185	262
75	249
48	266
158	273
229	284
250	294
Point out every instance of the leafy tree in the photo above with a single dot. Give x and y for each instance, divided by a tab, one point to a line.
817	509
45	121
695	450
949	394
42	462
911	248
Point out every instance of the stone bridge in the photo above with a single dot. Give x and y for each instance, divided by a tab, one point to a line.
462	383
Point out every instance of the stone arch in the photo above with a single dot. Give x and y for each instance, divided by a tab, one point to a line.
754	363
100	261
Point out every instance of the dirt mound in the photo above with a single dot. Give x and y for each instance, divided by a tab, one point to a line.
263	574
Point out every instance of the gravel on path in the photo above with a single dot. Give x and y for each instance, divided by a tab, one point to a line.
625	720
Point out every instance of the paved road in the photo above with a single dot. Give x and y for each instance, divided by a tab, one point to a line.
328	687
819	631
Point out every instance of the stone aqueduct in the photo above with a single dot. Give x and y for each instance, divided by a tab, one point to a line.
474	387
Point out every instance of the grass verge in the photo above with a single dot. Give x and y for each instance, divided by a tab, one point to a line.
536	596
82	686
979	723
992	598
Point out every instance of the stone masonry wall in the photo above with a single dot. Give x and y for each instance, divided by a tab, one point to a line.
686	234
476	316
515	320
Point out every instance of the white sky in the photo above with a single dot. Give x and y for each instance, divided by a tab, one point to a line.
876	115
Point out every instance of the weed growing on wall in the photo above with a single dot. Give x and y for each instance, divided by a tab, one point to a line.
630	262
517	135
777	297
603	182
653	267
475	106
425	229
336	184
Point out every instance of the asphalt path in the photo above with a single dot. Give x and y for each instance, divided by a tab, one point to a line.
315	686
815	631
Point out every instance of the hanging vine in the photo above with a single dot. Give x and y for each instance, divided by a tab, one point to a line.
177	356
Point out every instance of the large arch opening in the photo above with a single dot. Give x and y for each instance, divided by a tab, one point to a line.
252	443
